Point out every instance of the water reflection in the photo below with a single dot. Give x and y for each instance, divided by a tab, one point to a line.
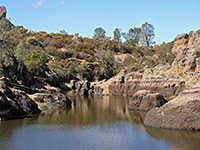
88	111
183	140
107	116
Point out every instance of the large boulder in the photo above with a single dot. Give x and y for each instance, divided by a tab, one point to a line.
2	12
52	101
15	103
145	100
183	112
82	87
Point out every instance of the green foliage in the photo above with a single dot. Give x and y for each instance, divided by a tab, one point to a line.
63	70
91	59
164	53
35	63
70	70
99	33
147	34
6	52
57	68
133	42
107	93
107	64
133	36
34	41
149	61
129	60
16	28
84	72
63	54
21	51
117	34
42	106
173	96
63	32
5	24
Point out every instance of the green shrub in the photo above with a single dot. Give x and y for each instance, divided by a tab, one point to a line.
128	60
173	96
35	63
42	106
91	59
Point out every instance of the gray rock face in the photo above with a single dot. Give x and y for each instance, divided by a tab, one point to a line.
85	88
145	100
194	39
15	103
165	87
181	36
52	102
183	112
98	90
187	51
2	12
187	60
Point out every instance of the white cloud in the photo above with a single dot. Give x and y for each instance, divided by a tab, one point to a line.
62	2
38	4
41	2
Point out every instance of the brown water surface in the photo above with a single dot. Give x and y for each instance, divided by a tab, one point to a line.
92	123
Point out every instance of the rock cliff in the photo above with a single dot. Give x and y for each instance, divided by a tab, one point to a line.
2	12
153	89
15	103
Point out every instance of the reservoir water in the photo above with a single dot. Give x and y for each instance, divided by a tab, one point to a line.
98	123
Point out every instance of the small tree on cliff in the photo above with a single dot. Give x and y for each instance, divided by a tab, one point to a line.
107	64
99	33
133	36
117	34
147	34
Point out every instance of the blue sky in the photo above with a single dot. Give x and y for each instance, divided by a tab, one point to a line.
169	17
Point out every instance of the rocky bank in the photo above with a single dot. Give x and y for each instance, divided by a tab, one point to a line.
183	112
15	103
170	94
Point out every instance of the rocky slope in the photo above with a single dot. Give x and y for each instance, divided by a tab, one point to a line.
153	88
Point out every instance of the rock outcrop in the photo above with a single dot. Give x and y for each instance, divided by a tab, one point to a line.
188	60
145	100
179	43
85	88
183	112
15	103
165	87
2	12
187	49
52	101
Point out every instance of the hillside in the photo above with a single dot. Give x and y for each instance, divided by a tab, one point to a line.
158	78
63	57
